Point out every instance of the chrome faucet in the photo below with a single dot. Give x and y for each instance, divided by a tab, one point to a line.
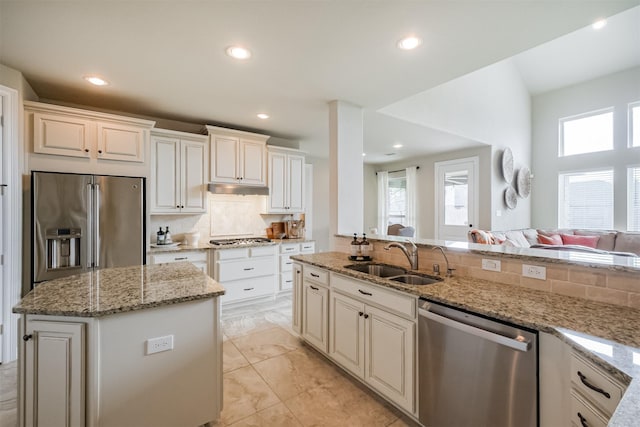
436	267
411	254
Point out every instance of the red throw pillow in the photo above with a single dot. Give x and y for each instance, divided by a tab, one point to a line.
551	239
589	241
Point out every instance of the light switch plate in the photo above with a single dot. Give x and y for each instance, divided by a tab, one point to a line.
491	264
534	271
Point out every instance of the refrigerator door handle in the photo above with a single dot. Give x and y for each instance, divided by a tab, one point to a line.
96	250
89	232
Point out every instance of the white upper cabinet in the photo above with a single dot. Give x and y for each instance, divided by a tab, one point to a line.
286	181
72	132
178	172
238	157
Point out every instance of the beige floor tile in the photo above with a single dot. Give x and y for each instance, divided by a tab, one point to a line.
232	359
404	422
266	344
295	372
347	403
246	324
245	393
9	413
278	415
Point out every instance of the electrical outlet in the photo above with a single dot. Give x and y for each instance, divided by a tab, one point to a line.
491	264
534	271
156	345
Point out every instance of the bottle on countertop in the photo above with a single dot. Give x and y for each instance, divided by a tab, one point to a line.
167	237
160	237
355	246
365	247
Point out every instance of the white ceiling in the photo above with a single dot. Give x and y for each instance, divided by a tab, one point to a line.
166	58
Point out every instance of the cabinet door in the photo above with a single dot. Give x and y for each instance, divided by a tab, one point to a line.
121	142
193	177
225	151
295	183
277	182
346	332
315	308
253	163
165	163
54	374
62	135
389	357
296	303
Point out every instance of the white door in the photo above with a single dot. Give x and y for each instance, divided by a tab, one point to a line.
295	184
165	191
252	158
224	159
277	182
456	198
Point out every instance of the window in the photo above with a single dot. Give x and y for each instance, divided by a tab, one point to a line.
634	124
397	198
587	133
633	199
586	199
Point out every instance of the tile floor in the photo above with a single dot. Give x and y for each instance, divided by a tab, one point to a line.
271	378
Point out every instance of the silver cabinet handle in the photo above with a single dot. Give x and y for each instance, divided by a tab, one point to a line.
516	344
248	289
248	269
181	258
89	243
96	252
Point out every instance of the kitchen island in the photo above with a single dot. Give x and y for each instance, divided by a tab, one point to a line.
605	335
122	346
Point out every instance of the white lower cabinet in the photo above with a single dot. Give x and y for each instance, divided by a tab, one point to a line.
315	307
286	263
246	273
375	345
197	258
296	305
54	386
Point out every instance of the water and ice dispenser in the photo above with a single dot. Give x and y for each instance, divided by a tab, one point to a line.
63	248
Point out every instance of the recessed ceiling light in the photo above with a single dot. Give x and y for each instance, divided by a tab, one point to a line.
364	154
409	43
238	52
95	80
397	145
263	116
599	24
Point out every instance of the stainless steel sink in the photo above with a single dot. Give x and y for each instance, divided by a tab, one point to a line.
380	270
414	279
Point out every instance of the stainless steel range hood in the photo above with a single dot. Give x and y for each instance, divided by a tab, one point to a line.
244	190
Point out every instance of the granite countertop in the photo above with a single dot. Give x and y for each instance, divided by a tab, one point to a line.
181	247
117	290
576	321
300	240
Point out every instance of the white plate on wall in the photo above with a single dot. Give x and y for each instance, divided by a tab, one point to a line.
507	165
523	182
510	198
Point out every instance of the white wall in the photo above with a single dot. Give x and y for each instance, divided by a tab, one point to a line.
371	197
491	105
321	214
616	90
426	187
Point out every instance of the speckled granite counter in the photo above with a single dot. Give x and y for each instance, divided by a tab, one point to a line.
115	290
563	316
181	247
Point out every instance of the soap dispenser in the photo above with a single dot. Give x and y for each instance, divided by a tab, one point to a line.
167	237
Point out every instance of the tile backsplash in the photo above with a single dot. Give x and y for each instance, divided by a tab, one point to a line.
227	216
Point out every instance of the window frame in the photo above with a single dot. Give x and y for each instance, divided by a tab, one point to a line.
396	176
630	216
563	120
561	199
630	129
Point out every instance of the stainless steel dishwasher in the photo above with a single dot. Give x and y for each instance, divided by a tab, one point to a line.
475	372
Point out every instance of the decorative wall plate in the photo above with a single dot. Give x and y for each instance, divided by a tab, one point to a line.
523	182
510	198
507	165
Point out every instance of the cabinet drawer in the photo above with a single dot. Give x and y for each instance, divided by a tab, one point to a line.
308	247
232	253
584	374
316	275
191	256
581	410
286	263
290	248
263	250
250	288
394	301
252	267
286	281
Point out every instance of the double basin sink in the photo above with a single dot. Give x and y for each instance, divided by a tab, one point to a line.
396	274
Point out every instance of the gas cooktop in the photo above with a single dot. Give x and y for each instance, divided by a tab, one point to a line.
239	241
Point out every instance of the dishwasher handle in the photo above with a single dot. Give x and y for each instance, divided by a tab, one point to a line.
520	343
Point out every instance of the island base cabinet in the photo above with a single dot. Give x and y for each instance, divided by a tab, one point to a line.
315	306
296	305
346	345
54	373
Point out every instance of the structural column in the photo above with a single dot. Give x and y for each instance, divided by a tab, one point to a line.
346	171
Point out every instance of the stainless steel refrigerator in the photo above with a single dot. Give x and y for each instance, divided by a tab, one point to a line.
84	222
